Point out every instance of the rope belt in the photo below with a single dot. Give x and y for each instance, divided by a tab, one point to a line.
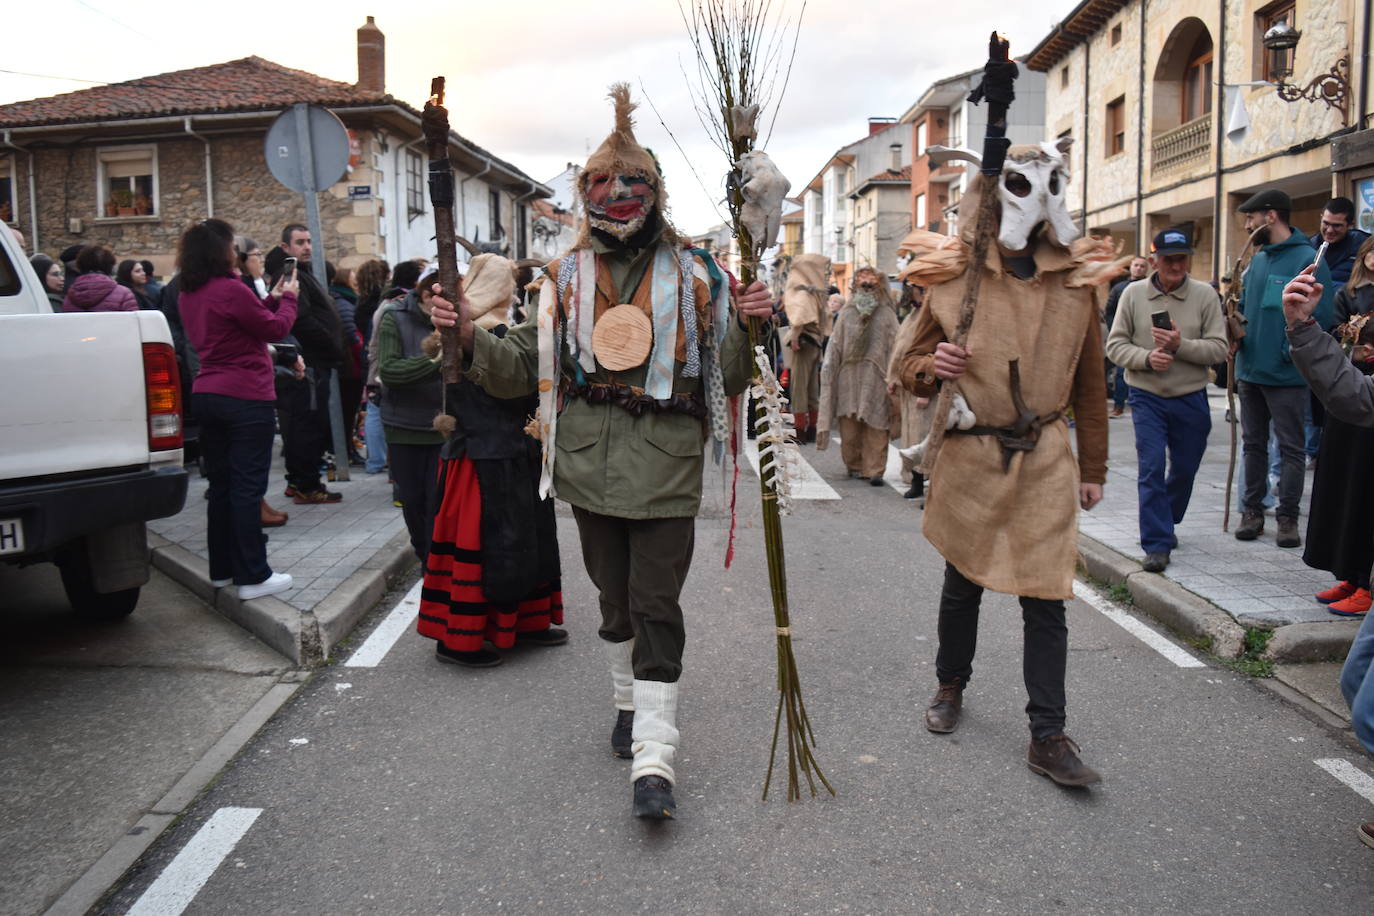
634	401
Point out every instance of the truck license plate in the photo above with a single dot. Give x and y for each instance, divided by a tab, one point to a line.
11	535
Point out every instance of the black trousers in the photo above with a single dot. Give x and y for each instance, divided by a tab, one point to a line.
236	436
415	468
303	406
1044	656
639	567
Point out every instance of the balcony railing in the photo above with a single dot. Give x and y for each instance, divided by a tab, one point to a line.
1184	146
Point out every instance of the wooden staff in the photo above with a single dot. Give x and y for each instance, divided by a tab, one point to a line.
997	87
436	130
1235	332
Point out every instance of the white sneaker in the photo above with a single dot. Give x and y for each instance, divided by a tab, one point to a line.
277	582
221	583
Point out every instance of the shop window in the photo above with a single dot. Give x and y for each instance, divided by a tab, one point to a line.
126	181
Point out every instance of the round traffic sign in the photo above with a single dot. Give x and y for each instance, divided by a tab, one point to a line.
301	127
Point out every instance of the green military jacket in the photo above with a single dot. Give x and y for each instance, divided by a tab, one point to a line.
609	461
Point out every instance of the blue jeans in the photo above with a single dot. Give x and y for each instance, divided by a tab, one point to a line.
1357	683
1119	388
376	439
236	440
1170	438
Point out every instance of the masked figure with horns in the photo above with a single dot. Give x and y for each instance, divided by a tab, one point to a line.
1005	492
633	351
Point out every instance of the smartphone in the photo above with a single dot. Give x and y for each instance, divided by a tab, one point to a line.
1321	253
288	269
1162	320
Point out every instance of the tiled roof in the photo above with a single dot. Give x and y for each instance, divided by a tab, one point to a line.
248	84
898	175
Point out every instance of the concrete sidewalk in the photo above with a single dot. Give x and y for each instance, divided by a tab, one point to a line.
340	557
1215	586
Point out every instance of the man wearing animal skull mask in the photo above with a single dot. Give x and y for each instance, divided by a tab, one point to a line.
626	395
1003	497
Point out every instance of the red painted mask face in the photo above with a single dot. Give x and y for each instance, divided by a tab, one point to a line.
619	204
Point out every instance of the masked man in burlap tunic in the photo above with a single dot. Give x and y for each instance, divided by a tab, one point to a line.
854	378
1004	496
623	426
913	413
808	325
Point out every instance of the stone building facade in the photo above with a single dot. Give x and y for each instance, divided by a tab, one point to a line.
130	165
1177	118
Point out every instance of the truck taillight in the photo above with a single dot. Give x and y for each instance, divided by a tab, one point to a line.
163	385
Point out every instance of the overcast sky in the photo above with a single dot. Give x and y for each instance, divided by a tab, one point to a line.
527	78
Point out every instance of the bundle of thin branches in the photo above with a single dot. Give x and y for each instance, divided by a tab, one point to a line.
739	47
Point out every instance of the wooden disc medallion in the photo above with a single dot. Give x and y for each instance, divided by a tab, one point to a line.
622	338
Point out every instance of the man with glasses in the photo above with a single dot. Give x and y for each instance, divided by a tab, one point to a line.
1342	239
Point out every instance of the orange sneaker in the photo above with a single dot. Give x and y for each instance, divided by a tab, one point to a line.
1337	592
1354	606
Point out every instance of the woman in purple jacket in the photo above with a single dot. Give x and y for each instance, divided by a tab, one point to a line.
234	396
94	290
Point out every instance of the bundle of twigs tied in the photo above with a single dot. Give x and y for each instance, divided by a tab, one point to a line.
739	47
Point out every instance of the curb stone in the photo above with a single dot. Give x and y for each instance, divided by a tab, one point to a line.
304	637
1312	642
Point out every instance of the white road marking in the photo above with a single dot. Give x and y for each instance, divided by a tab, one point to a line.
377	645
1179	656
892	473
807	485
186	874
1357	779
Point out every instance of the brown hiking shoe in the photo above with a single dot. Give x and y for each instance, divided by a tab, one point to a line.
1057	758
942	716
1288	533
1251	525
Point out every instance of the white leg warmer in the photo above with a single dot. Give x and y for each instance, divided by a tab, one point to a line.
655	731
620	655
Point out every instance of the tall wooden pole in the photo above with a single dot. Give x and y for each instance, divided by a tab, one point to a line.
436	130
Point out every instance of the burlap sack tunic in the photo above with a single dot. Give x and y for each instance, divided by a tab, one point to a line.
1016	531
808	321
914	421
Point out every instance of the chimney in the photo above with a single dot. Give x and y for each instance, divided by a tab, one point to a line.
371	58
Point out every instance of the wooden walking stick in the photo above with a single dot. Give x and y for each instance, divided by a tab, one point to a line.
997	87
436	130
1235	333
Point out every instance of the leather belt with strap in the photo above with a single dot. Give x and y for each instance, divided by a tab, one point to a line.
634	401
1022	435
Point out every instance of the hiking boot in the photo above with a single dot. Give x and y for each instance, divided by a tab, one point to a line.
320	496
1251	525
654	798
942	716
1338	592
552	636
1288	533
1156	562
482	658
1057	758
1354	606
1366	832
621	739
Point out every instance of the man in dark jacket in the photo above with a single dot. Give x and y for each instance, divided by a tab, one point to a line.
1116	375
1342	239
318	332
1271	389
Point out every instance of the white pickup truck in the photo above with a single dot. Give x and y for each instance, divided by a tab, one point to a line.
90	439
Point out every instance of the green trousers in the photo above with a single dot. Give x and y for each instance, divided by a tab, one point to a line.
639	567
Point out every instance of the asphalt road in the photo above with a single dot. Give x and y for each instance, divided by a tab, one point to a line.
417	787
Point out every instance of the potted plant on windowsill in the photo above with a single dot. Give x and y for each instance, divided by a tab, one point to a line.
142	205
123	200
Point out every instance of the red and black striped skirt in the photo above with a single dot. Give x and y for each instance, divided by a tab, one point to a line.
453	608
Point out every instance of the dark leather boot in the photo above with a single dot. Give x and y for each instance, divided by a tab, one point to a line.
621	735
269	517
654	798
1251	525
942	716
1288	533
1057	758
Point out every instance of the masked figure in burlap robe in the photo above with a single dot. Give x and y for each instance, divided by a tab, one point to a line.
808	325
854	378
913	413
1003	503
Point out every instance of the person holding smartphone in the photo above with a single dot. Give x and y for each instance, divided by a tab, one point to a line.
1167	332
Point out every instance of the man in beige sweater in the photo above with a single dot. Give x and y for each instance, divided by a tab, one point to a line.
1168	330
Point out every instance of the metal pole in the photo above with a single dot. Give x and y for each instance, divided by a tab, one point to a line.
338	435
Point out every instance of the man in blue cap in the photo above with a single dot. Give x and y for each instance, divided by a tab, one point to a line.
1271	389
1168	330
